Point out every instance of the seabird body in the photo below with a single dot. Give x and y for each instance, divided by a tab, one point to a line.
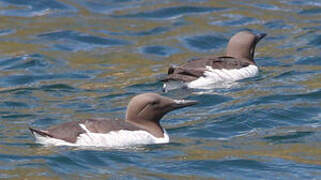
112	139
141	126
237	64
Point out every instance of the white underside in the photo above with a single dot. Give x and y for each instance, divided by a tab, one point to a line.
113	139
213	76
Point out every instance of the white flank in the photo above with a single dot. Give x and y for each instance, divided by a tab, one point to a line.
212	76
113	139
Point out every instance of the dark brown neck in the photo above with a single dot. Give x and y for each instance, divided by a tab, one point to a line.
151	127
250	60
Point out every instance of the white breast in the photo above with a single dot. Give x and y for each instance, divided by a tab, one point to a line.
113	139
212	76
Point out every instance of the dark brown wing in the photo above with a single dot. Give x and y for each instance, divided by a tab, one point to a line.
40	132
67	131
195	68
227	63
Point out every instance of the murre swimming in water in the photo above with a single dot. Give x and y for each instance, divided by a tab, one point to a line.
141	126
237	64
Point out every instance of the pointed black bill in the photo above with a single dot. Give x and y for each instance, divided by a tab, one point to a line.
183	103
259	36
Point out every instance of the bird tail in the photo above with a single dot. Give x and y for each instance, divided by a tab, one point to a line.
171	69
39	132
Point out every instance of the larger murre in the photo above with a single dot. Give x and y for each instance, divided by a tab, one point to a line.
141	126
237	64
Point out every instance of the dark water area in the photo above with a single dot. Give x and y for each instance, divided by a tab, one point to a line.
65	60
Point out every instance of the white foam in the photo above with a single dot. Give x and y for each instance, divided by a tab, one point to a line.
212	76
171	84
113	139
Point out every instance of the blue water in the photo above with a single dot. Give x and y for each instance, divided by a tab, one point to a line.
64	60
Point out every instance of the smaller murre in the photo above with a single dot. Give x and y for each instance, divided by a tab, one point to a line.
202	73
140	127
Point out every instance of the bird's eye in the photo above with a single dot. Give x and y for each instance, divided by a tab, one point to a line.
154	103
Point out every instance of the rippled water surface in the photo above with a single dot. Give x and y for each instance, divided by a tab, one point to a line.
64	60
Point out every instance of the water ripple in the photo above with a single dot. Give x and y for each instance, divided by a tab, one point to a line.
153	31
28	69
71	40
205	42
170	12
311	11
34	8
236	21
5	32
159	50
109	6
288	138
310	60
277	24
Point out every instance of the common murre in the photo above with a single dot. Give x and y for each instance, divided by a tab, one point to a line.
237	64
141	126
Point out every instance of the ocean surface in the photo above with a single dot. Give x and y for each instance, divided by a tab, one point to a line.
64	60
